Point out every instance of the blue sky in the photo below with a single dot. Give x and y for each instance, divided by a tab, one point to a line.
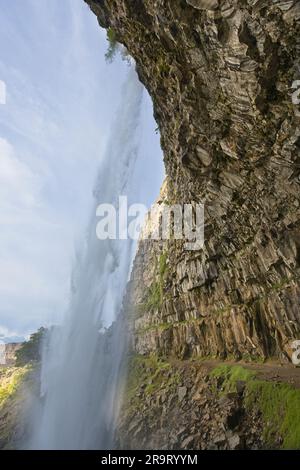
61	98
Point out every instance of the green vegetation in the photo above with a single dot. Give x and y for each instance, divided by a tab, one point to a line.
114	48
148	371
155	295
30	350
279	404
163	67
112	45
154	299
10	379
167	326
231	375
163	265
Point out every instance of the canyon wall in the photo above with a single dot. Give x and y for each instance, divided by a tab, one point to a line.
10	350
220	73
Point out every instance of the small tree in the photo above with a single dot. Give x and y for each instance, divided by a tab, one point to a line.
113	45
31	350
114	48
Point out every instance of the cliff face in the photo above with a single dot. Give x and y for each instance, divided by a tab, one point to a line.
171	404
10	350
220	73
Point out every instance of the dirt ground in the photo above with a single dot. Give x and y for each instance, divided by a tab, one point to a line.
271	371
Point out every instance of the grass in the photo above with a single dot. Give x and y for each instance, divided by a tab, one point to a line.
150	374
279	404
156	327
163	265
144	369
155	294
154	299
10	380
231	375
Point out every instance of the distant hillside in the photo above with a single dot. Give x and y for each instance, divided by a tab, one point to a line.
19	389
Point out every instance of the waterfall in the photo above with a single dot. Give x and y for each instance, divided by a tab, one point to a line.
81	369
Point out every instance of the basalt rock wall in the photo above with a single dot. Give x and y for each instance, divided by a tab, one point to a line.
223	78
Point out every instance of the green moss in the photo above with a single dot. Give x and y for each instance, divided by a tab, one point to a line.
253	358
158	379
231	375
278	403
280	406
147	375
144	371
163	264
154	298
163	67
167	326
155	294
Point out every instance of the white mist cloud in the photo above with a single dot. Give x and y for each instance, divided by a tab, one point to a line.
19	186
61	98
2	92
31	244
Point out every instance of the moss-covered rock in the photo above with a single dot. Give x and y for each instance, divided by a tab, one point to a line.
279	404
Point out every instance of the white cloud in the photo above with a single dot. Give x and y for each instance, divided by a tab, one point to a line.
32	288
61	100
2	92
19	186
52	132
7	335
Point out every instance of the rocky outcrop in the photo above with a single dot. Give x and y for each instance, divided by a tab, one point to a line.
221	76
178	408
10	350
209	406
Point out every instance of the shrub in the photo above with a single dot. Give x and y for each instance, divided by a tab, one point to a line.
114	48
31	350
113	45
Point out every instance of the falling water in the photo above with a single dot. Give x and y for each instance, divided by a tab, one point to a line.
81	369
